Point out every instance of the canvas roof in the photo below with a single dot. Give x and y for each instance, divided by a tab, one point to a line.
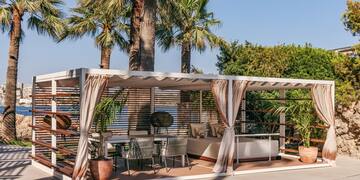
179	81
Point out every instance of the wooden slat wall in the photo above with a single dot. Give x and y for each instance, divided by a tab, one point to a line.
136	113
69	104
67	101
135	116
42	104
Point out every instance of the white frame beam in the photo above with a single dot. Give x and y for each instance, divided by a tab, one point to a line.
33	118
282	120
53	121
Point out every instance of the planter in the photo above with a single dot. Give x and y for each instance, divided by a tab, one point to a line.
308	155
101	169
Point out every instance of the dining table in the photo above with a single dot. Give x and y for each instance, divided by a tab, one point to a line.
121	139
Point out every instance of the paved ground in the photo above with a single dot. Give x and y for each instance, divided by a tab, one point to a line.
15	164
347	169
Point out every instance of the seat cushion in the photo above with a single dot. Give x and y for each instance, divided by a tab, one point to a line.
198	129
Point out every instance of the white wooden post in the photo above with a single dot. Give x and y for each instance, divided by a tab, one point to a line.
152	106
53	121
282	122
243	114
33	119
200	107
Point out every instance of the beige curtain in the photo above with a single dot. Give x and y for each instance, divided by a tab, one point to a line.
323	96
93	88
219	89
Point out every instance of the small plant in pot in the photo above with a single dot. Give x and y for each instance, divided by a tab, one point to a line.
105	113
303	117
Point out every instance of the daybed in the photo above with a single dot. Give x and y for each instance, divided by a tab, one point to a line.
248	148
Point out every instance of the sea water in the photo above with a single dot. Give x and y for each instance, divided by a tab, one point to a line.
23	110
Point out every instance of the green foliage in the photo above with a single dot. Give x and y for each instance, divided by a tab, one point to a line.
181	21
22	143
303	116
347	71
43	16
106	21
290	61
106	110
351	17
293	61
249	59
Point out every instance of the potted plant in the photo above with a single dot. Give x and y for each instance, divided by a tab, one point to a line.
105	112
303	116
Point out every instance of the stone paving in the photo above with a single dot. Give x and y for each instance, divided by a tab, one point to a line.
16	164
347	169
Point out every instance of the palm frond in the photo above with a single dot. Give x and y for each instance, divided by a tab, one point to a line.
5	18
186	21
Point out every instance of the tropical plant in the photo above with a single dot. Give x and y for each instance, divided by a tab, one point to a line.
186	23
105	113
106	22
45	16
302	116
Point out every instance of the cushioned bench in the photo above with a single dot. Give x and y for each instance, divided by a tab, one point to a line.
248	148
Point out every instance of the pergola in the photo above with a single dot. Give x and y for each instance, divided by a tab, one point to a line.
228	92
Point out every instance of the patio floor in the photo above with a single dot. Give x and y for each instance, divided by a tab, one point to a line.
198	167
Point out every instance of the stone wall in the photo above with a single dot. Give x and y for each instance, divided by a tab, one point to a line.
348	130
23	131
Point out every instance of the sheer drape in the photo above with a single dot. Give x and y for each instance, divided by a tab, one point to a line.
323	96
93	88
219	89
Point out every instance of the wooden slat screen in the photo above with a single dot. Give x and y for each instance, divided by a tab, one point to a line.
68	101
136	113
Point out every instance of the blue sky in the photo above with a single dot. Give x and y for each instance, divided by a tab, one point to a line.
269	22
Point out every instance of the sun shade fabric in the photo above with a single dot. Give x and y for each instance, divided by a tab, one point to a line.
94	87
220	92
323	97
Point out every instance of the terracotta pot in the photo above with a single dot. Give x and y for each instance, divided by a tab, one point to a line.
101	169
308	155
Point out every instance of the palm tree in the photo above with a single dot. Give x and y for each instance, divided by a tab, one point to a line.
142	35
106	22
134	49
147	36
186	23
46	17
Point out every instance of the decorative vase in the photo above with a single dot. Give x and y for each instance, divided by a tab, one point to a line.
308	155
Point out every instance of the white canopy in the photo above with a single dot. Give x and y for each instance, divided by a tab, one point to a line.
91	83
179	81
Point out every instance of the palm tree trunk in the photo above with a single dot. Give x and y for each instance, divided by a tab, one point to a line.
147	36
185	57
9	119
105	58
134	57
184	107
185	67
